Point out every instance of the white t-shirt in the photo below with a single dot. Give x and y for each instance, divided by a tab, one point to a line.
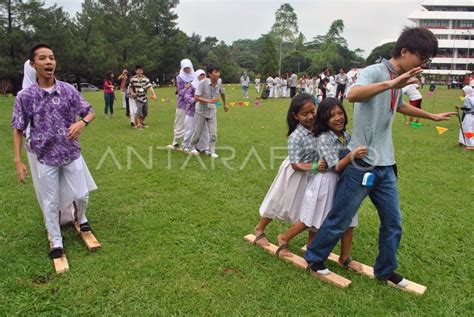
331	90
471	83
412	92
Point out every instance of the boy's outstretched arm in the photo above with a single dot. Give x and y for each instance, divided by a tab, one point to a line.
411	111
363	93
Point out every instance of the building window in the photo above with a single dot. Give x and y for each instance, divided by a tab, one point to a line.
463	24
445	52
442	36
465	37
434	24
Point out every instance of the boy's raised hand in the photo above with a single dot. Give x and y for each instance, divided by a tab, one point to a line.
405	78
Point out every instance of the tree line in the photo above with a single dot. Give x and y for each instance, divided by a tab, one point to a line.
115	34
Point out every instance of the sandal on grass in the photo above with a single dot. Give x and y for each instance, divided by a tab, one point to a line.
346	262
259	237
280	248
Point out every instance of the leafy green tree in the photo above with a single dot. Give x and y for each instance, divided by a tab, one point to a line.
285	27
268	56
384	51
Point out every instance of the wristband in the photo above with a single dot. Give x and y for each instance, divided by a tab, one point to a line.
85	121
315	167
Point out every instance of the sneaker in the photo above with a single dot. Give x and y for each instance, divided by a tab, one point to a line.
398	280
194	152
214	155
207	152
186	150
145	125
319	268
55	253
140	127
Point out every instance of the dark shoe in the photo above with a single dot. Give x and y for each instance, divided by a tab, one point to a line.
55	253
398	280
85	227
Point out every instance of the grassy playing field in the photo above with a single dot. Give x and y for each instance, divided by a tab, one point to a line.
172	228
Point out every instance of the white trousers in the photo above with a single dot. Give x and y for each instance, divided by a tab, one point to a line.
124	102
203	143
133	109
56	188
179	126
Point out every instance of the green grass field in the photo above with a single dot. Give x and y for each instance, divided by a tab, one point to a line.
172	231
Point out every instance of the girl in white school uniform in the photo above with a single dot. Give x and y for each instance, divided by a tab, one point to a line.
284	198
467	119
330	129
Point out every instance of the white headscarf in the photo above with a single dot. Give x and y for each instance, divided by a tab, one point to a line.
187	78
196	80
29	75
468	91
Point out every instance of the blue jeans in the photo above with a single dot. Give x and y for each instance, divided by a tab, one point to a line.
245	91
348	196
109	103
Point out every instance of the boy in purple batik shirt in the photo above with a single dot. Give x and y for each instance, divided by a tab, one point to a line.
50	109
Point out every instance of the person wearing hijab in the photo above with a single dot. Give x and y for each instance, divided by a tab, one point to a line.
29	75
184	86
467	119
203	144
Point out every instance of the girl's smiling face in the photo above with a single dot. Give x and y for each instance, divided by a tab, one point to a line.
306	115
337	120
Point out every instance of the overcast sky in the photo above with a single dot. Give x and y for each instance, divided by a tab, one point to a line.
368	23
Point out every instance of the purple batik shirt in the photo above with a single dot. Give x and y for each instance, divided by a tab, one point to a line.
181	99
190	101
49	116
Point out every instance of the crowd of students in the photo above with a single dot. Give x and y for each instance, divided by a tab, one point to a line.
319	87
320	185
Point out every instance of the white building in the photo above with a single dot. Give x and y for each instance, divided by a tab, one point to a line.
452	22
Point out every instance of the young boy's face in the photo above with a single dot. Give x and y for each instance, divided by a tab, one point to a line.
44	63
139	72
215	75
412	60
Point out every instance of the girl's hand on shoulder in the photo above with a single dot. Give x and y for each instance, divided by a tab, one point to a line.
360	152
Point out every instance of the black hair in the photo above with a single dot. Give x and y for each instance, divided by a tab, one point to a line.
321	122
138	67
296	104
108	75
32	51
416	40
211	68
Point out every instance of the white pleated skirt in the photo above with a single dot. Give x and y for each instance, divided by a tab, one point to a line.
285	196
467	126
318	200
